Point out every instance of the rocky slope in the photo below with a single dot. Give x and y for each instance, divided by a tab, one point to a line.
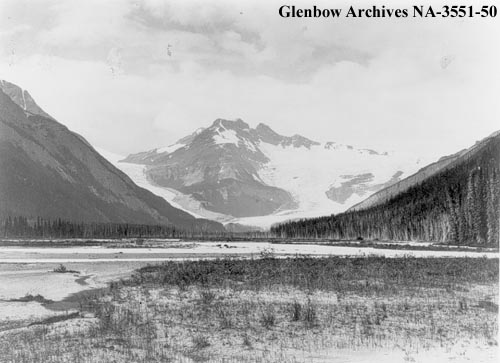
52	172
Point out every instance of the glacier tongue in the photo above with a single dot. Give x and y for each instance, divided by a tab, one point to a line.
178	200
309	173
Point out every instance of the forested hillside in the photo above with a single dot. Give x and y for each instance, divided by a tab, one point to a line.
23	227
459	205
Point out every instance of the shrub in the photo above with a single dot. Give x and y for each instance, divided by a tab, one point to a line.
207	296
310	315
295	311
225	320
268	318
61	269
246	341
200	342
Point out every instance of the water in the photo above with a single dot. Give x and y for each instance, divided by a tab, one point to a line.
195	250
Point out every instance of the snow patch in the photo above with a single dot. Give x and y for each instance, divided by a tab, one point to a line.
16	284
169	149
24	100
225	136
250	145
10	311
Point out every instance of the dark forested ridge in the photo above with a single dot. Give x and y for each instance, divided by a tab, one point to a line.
23	227
459	205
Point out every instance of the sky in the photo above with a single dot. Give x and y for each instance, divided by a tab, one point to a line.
134	75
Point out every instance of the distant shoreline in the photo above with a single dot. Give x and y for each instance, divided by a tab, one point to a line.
159	243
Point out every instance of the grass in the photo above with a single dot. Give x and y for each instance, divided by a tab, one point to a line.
359	274
270	310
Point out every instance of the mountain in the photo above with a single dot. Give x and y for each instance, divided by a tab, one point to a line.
400	186
455	200
51	172
234	173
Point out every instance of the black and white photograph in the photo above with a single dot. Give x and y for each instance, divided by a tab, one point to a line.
249	181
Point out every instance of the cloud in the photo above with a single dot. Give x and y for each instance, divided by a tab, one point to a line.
135	75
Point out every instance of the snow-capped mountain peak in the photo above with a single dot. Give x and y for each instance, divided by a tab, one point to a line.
257	176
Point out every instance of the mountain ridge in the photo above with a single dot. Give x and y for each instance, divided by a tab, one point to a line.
51	172
442	164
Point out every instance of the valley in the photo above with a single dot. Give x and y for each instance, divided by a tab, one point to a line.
229	309
211	182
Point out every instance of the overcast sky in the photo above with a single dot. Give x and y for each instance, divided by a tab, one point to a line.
134	75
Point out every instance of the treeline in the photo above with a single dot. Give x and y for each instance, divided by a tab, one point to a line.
24	227
460	205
